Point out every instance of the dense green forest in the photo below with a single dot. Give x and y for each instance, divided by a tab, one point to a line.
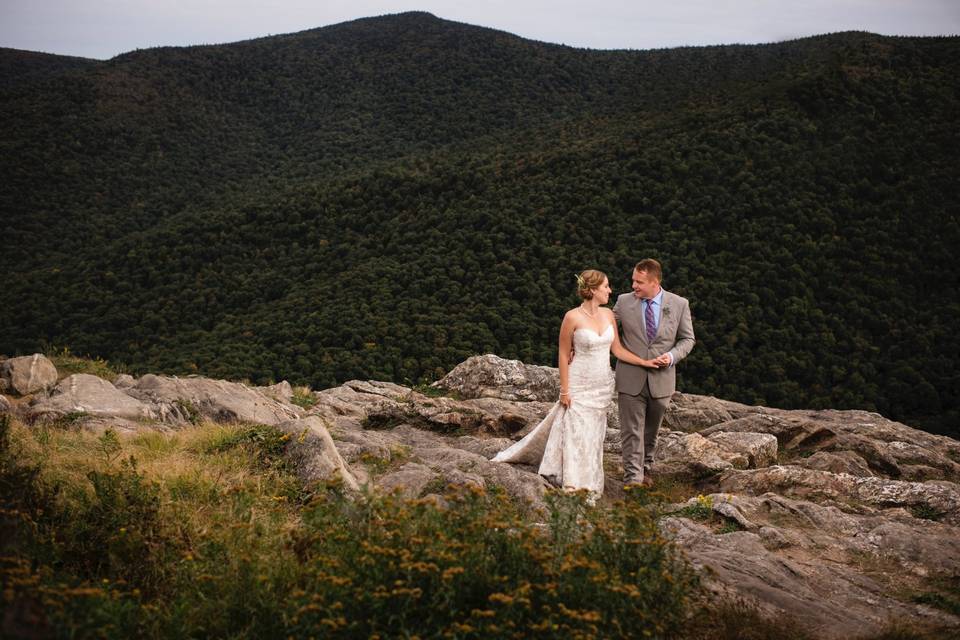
386	197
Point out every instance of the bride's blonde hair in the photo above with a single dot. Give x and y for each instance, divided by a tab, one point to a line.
588	281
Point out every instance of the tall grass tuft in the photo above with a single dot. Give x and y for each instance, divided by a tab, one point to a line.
67	363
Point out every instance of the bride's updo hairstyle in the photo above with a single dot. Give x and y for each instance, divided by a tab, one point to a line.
588	281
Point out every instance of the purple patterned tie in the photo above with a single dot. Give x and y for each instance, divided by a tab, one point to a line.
651	327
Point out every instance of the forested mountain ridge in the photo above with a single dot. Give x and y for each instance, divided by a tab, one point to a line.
385	197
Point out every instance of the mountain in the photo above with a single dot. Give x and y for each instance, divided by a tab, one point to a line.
386	197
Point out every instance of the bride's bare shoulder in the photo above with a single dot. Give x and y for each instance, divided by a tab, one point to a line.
573	316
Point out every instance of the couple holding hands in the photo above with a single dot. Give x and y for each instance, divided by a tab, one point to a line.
656	332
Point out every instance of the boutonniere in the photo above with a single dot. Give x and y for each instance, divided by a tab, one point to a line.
666	312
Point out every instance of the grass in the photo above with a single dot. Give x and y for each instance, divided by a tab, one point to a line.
702	511
674	489
926	512
742	620
433	392
379	465
303	397
67	364
941	593
205	532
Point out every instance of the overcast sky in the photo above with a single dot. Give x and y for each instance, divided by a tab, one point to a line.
105	28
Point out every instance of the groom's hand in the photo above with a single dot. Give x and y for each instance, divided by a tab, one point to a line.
662	361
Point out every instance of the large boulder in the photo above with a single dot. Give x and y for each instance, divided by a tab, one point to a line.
313	452
28	374
189	399
88	394
489	376
691	454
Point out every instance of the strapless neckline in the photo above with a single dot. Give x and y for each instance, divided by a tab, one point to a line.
593	331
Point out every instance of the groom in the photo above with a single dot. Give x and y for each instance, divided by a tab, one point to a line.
656	325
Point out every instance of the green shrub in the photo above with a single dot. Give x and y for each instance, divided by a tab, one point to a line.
384	567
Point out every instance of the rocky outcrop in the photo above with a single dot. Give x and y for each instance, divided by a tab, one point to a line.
190	399
489	376
940	498
28	374
836	518
83	393
887	448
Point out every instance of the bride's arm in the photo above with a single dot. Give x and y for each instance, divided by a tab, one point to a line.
622	353
566	346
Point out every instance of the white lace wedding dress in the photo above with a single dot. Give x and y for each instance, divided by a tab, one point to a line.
568	443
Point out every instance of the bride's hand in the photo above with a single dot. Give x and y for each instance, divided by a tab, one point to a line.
565	399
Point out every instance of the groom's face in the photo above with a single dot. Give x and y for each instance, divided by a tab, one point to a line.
645	285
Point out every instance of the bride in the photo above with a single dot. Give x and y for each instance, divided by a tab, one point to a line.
568	443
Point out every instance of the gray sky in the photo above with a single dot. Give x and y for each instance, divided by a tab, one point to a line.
105	28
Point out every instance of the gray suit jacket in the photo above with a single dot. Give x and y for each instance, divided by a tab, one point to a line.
674	334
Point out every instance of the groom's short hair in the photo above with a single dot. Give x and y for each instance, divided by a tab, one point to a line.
650	267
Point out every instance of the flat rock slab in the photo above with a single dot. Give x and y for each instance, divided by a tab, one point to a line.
85	393
186	399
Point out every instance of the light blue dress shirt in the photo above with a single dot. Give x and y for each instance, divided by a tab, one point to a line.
656	302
